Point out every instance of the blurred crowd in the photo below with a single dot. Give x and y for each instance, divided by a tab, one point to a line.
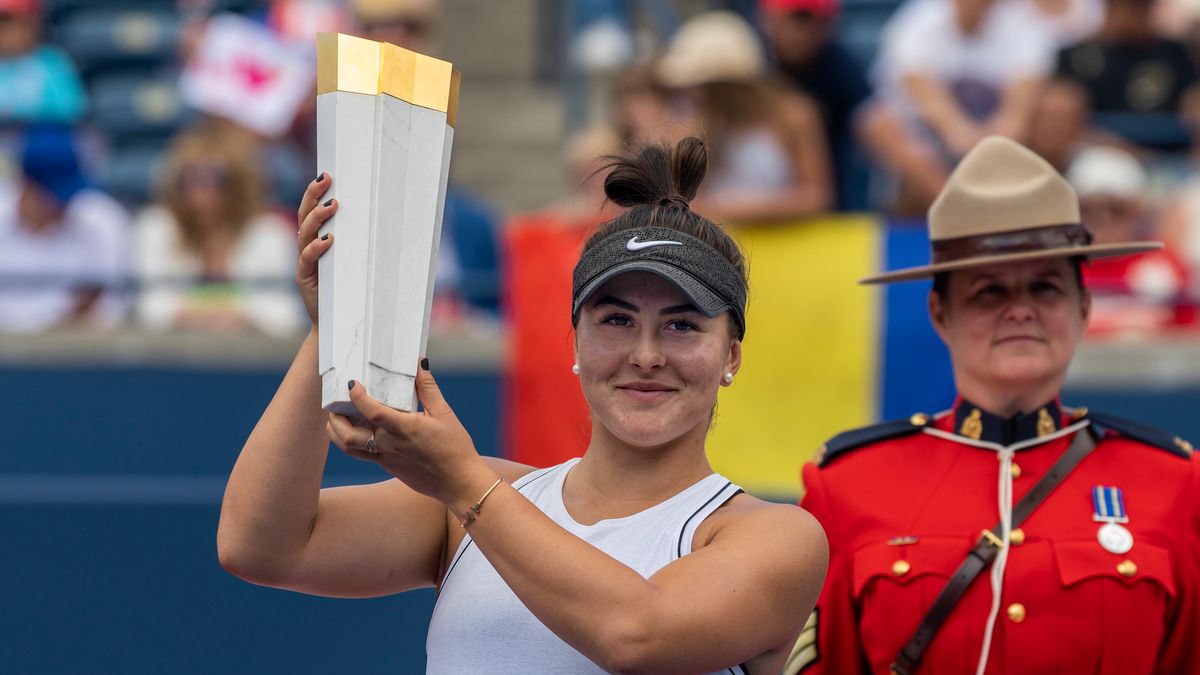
152	153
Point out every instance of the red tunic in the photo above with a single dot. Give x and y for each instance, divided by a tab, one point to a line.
902	513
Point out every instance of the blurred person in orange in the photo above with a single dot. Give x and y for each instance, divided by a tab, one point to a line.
771	161
954	71
1143	293
65	255
38	82
802	38
1009	534
209	254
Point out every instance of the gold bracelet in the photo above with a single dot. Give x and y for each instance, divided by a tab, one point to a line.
473	510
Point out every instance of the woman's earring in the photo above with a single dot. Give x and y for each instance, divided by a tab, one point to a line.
575	369
728	378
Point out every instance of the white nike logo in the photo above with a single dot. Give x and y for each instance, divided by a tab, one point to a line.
634	245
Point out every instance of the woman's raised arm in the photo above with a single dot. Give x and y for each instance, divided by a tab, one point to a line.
278	527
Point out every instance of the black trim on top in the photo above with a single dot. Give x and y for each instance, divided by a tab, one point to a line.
470	541
679	545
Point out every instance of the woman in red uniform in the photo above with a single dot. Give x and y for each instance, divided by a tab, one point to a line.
1009	534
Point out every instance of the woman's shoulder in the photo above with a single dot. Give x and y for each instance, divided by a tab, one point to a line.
748	516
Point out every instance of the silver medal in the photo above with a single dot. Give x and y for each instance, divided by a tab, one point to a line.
1114	538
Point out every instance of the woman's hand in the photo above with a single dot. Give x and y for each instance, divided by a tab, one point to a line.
311	214
429	451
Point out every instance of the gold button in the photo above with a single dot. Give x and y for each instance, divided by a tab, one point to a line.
1016	612
1079	413
1127	568
1017	537
919	420
1015	469
901	567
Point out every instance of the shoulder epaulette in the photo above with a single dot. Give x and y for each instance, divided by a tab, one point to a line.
856	438
1145	434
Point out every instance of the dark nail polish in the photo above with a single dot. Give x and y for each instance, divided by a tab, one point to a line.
321	177
425	363
324	237
350	385
328	202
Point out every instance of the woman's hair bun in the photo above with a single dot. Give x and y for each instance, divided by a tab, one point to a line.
657	175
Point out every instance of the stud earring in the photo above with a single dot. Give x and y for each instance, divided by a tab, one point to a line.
575	369
728	378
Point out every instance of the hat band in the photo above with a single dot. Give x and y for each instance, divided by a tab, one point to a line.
1021	241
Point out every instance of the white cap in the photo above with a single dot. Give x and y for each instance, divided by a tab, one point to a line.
1104	170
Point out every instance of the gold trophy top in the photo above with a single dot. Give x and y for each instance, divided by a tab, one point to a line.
357	65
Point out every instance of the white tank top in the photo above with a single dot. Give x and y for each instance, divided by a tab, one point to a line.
479	625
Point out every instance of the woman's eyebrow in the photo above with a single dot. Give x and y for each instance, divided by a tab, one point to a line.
610	300
679	309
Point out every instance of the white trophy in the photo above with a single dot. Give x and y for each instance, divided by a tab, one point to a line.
385	124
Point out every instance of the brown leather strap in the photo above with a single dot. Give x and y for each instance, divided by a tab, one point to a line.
985	551
1019	241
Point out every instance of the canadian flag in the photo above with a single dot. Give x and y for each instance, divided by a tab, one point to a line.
243	71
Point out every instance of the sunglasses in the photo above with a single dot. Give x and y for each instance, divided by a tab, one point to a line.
204	176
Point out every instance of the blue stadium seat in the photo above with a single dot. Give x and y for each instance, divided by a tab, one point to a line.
106	37
129	175
127	106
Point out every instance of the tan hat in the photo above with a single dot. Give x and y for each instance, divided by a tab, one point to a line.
1003	203
715	46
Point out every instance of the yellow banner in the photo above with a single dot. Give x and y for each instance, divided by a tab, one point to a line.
809	365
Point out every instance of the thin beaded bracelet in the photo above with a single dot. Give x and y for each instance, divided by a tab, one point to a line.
473	510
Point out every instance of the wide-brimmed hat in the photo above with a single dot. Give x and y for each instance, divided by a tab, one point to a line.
1003	204
717	46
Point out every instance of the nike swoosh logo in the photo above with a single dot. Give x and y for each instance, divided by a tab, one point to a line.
633	245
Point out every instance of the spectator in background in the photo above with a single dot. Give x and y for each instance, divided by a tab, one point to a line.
411	24
468	268
1129	67
800	34
1135	293
38	82
770	156
641	108
1069	21
954	71
1060	122
64	241
209	256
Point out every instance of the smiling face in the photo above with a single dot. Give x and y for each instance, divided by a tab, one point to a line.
1011	329
650	364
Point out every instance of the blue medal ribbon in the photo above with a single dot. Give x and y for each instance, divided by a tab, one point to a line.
1109	504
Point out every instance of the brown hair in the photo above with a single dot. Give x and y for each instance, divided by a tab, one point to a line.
242	191
656	183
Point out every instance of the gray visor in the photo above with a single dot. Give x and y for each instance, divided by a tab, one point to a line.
705	276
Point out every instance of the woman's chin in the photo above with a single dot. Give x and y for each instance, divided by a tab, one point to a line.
1018	371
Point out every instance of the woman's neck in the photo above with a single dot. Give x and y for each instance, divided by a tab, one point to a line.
624	472
1006	400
